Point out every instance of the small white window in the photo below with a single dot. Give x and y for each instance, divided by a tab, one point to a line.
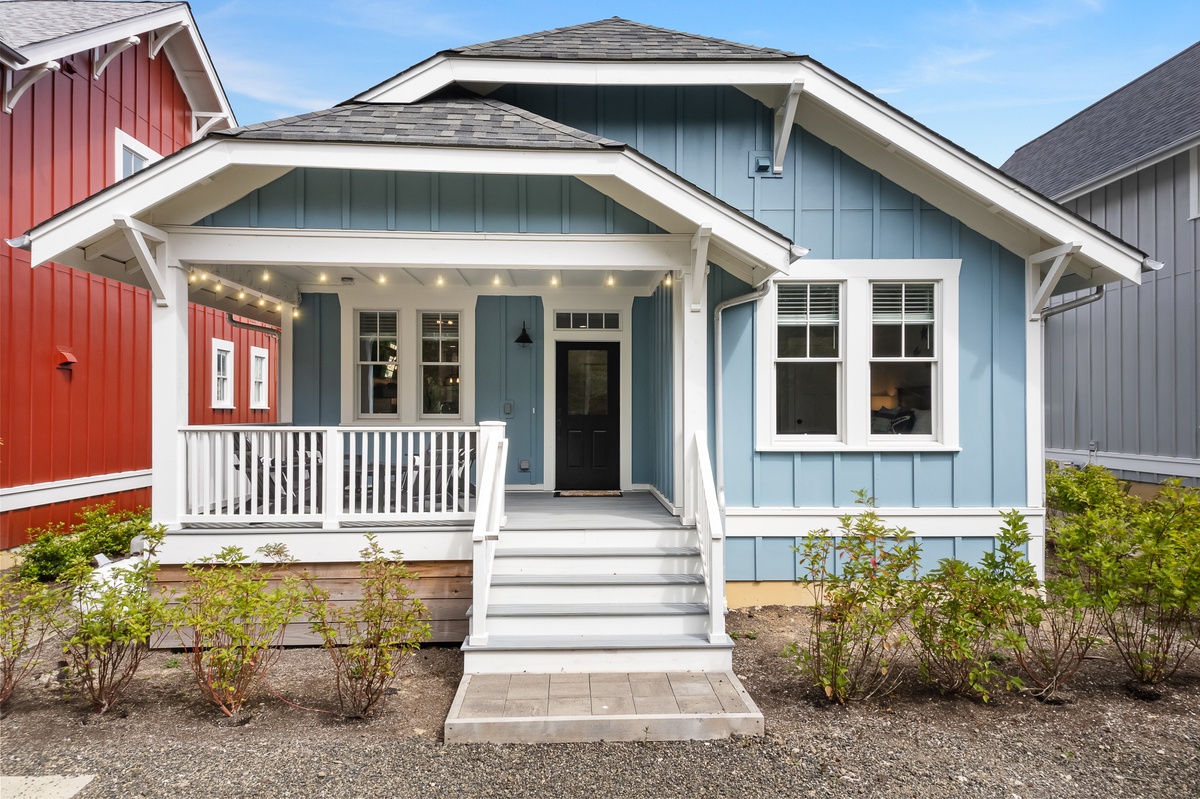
222	373
903	362
440	374
260	388
131	155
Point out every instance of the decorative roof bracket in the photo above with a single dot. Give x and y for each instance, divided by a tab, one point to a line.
1060	258
114	50
699	266
159	37
213	117
13	91
785	117
137	233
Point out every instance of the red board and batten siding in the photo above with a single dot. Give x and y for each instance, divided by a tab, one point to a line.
56	148
204	325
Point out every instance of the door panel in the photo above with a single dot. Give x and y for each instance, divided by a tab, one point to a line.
588	415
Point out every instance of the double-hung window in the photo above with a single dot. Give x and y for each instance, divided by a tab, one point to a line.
222	374
859	355
377	360
808	359
440	374
260	393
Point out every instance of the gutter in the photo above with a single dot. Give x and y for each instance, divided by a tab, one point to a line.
1073	304
270	331
719	449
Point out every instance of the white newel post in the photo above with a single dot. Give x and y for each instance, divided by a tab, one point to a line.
335	458
169	397
695	364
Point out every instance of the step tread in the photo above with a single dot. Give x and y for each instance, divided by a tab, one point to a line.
594	552
567	642
615	609
597	579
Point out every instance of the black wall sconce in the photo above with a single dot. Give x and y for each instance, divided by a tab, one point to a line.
523	339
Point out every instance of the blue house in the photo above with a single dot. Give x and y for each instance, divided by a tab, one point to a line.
523	277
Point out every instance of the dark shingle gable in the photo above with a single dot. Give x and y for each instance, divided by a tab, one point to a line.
442	120
26	22
618	39
1154	113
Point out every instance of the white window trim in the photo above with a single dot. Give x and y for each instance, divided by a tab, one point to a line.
123	141
463	384
856	277
220	345
256	353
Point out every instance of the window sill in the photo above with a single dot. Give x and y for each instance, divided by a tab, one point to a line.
224	408
875	446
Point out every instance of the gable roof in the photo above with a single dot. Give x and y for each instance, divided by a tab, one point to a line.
26	22
1148	118
617	39
455	121
37	32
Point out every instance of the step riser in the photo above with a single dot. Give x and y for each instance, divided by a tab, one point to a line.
617	539
582	661
596	625
596	594
555	564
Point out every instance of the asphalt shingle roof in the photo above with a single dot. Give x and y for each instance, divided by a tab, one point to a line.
618	39
26	22
1155	112
441	120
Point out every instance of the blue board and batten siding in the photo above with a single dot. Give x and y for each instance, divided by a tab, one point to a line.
341	199
653	367
509	377
317	365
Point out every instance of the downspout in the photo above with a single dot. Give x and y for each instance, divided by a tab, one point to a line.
719	449
1076	303
270	331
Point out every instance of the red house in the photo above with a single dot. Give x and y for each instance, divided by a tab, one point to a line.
93	92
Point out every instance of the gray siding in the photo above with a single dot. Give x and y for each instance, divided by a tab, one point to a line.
1125	371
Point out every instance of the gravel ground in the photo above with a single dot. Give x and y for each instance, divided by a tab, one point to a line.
915	743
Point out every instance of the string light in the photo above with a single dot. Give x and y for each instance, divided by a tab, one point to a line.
279	308
440	281
667	281
496	280
262	301
266	276
611	281
324	277
295	313
204	276
241	295
192	277
554	280
382	279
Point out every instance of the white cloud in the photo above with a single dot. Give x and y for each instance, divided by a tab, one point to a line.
269	83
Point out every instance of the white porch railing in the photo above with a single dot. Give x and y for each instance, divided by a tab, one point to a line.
489	518
711	534
279	474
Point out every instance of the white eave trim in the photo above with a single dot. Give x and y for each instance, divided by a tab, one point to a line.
1124	171
747	247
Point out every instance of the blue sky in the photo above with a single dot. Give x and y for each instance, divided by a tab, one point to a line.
987	75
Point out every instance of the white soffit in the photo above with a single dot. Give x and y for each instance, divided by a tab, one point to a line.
838	112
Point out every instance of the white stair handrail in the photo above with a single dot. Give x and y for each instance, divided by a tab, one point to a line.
711	533
489	516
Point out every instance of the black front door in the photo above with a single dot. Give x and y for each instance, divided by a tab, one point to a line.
588	416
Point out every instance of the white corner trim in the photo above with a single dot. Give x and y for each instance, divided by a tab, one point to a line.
38	494
1194	183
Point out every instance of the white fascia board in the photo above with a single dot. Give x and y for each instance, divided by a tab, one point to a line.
429	76
984	184
392	249
89	220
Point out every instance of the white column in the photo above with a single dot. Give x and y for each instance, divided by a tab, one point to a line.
694	308
284	367
169	396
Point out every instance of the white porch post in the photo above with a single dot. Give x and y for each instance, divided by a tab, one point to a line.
694	308
169	396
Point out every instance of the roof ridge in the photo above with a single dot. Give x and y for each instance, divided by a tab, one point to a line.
1148	73
701	36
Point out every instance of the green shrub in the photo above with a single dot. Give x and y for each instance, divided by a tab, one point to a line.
27	609
107	626
860	583
101	530
369	640
1140	564
1056	635
1071	490
961	614
231	621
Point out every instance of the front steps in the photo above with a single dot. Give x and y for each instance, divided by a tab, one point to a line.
597	601
566	707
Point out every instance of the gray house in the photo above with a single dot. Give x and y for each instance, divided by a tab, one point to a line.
1123	361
